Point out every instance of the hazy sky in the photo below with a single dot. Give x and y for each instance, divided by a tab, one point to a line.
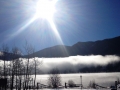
75	20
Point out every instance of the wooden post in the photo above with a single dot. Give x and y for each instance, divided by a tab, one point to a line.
37	86
116	84
81	81
65	85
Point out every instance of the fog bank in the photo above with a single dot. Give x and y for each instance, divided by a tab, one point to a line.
73	62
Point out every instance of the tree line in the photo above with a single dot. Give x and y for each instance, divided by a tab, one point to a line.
18	70
110	67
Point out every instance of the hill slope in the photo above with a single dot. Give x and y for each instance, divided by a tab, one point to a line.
101	47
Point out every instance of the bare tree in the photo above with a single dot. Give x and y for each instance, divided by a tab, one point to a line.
54	80
4	54
36	65
29	51
15	66
19	72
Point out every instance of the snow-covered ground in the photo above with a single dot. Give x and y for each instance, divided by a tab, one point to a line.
74	89
103	79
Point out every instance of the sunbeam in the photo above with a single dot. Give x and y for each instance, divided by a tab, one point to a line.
55	30
56	33
22	27
46	9
35	14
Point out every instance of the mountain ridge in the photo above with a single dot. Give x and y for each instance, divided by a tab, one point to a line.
101	47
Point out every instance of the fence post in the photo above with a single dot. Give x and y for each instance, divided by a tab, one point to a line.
37	86
81	81
116	84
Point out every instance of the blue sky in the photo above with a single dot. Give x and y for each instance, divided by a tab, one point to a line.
75	20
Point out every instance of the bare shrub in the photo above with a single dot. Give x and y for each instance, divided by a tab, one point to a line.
54	80
71	83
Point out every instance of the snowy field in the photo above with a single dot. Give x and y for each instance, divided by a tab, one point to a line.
103	79
76	89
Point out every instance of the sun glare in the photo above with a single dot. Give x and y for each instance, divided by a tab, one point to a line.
45	9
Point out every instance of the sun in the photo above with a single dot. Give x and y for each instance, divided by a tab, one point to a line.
45	9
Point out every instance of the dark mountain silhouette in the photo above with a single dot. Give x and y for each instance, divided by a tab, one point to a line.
8	56
101	47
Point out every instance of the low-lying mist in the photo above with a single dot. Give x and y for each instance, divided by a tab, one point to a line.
75	63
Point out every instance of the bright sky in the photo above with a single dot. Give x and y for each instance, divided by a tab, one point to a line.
72	21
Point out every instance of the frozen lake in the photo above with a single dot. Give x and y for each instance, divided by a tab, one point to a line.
103	79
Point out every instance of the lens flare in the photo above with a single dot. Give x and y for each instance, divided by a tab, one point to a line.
45	9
